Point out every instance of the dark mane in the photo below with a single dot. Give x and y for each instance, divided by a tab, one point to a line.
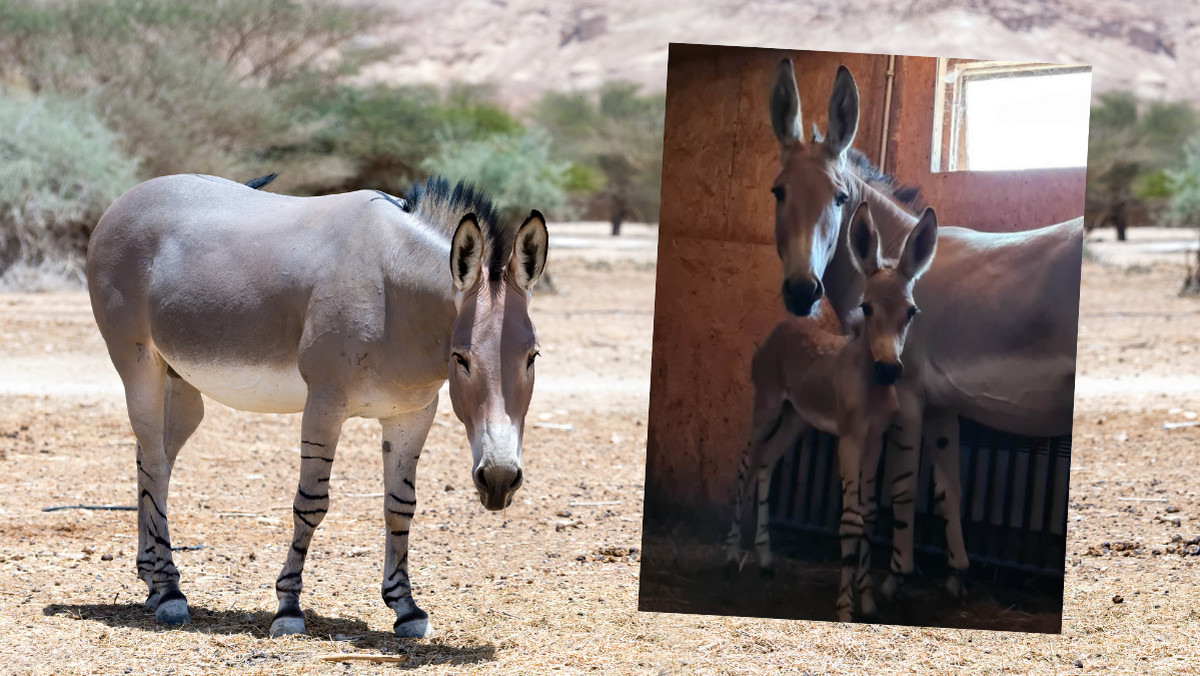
907	197
436	202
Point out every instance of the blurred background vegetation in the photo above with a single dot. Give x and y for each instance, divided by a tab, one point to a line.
97	95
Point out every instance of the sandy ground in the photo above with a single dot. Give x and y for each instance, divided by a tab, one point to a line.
549	585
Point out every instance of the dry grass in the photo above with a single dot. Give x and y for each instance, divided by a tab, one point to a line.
508	593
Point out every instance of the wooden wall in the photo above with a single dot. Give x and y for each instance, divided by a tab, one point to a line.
719	275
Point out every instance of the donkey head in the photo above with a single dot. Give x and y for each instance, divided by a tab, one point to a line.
887	303
493	346
813	191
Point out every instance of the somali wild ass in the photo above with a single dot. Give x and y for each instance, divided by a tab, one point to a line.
348	305
807	374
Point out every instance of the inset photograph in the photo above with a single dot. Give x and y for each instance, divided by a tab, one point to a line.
865	329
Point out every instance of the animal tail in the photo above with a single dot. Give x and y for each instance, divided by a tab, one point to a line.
259	182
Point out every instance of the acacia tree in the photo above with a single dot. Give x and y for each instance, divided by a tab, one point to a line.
188	86
614	139
1131	146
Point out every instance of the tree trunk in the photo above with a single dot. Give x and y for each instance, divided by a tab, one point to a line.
616	214
1191	283
1120	222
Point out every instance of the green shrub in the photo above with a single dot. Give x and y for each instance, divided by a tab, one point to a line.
617	135
518	172
384	133
60	168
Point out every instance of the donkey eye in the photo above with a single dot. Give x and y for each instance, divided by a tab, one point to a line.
841	198
529	361
912	312
778	192
866	308
462	361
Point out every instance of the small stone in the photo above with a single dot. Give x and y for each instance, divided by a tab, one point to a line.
1118	599
564	513
1078	664
448	488
250	556
1171	509
106	557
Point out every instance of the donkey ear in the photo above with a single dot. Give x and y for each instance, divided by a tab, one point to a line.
529	251
864	241
843	112
920	246
785	105
466	254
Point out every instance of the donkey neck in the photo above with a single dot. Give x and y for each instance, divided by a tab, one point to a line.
843	283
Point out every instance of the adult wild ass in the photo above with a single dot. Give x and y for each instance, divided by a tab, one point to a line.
807	374
996	338
348	305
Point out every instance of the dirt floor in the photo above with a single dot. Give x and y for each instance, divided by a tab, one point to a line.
550	585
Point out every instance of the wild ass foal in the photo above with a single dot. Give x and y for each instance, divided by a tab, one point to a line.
808	375
345	305
997	335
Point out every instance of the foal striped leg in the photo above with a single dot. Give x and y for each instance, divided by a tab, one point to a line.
773	434
319	433
872	450
903	449
403	438
733	541
850	528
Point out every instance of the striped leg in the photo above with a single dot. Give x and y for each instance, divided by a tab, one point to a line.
762	534
163	412
319	431
772	436
903	448
850	528
733	541
872	450
403	439
941	443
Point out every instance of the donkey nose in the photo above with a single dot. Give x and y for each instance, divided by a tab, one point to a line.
799	295
887	373
496	485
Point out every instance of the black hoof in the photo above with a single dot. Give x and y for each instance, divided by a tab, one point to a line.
287	622
414	624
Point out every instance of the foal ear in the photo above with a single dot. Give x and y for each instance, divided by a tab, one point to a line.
466	254
920	246
784	105
843	112
864	241
529	251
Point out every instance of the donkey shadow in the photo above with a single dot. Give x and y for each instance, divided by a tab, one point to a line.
255	623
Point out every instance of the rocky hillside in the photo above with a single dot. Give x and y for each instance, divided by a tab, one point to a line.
526	46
